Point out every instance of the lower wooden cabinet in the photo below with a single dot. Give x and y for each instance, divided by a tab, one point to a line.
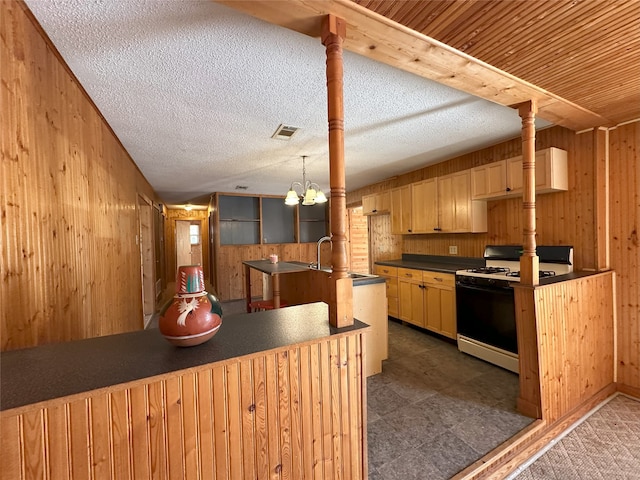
390	275
427	299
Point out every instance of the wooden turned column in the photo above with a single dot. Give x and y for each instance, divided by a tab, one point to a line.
341	286
333	33
529	262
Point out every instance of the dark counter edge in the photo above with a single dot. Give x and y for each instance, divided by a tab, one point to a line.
53	371
434	263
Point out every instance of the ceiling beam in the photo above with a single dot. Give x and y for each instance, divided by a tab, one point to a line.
376	37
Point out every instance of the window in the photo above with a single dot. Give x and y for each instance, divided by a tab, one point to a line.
194	234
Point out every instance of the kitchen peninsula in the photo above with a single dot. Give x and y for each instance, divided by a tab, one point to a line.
134	403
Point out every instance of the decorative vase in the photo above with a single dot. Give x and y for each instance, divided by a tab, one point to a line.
193	316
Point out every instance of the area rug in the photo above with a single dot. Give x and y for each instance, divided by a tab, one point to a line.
604	445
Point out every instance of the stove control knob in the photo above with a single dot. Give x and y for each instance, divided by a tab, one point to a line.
491	281
472	280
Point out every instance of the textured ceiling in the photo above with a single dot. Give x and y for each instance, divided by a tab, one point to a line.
194	91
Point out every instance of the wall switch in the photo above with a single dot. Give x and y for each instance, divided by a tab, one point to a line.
453	249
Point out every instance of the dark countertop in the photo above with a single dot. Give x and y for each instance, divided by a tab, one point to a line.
435	263
52	371
265	266
359	279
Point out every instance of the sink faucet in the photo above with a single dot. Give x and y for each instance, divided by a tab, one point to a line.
320	242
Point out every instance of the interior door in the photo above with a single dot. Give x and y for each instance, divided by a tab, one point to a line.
183	243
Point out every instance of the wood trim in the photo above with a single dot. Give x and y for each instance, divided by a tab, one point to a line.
628	390
379	38
601	200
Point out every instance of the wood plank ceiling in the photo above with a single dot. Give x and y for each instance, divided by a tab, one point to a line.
586	51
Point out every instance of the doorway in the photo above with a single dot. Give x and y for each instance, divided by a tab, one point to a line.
188	242
358	240
147	261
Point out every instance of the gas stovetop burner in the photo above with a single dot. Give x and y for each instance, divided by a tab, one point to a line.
541	274
489	270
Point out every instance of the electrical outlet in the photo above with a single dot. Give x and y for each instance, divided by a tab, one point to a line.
453	249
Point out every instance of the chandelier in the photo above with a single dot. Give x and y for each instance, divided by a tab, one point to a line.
311	193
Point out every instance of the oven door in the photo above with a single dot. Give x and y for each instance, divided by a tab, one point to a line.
487	314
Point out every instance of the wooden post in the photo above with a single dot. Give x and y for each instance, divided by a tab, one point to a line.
333	33
341	303
529	262
601	189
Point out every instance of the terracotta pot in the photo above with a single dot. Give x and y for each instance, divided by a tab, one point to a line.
193	316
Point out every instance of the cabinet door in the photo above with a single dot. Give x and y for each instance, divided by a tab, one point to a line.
432	308
454	201
551	170
383	202
448	312
368	204
514	175
401	210
396	211
424	200
411	302
489	181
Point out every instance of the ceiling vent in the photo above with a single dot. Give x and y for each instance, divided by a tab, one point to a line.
241	187
284	132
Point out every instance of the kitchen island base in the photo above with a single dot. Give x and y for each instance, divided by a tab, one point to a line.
292	411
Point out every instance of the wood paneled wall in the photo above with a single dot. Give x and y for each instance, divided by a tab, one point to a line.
170	239
70	262
358	240
624	204
575	329
562	218
292	413
230	282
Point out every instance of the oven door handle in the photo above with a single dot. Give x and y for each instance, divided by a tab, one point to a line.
483	289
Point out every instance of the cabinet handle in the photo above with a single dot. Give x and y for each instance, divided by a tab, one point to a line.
409	230
374	210
437	229
409	275
437	279
508	189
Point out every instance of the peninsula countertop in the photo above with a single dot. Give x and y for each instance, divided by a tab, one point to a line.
47	372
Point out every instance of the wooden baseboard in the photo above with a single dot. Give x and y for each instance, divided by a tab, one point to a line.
530	409
506	458
628	390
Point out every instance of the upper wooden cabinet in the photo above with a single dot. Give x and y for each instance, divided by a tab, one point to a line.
441	204
457	212
376	203
424	206
504	179
401	210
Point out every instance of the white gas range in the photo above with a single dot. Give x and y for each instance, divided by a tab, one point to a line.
485	301
502	262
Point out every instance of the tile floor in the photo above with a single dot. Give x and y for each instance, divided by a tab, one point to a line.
434	410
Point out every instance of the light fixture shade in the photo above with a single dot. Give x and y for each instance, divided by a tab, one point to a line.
188	207
309	197
291	198
320	197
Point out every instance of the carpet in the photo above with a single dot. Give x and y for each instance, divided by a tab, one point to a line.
604	445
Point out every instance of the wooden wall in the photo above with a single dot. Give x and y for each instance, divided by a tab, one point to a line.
70	263
624	203
562	218
291	413
575	342
230	283
170	240
358	241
